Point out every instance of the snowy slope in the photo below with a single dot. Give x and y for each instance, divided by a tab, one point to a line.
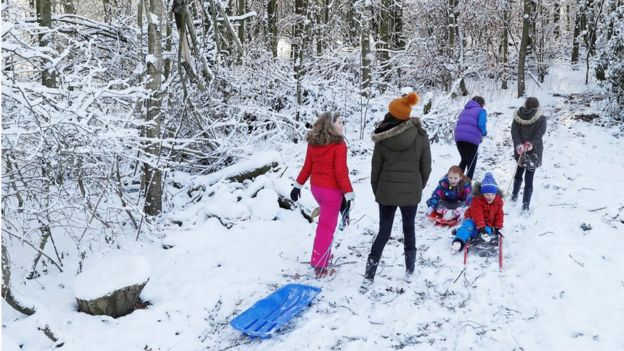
561	287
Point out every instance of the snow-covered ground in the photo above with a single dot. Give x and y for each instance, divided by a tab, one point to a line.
561	287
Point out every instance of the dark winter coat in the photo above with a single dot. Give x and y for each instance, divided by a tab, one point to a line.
484	214
467	128
401	164
529	125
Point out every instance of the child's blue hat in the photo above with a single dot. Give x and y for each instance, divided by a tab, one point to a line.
488	184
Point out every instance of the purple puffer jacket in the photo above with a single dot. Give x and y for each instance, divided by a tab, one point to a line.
467	128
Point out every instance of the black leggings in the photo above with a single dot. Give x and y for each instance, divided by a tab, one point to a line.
386	218
528	183
468	153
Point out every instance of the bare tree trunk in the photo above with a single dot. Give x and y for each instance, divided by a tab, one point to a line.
297	47
523	47
7	295
452	26
556	19
152	176
364	10
575	36
397	35
505	47
44	17
384	44
353	23
69	7
272	26
168	48
242	9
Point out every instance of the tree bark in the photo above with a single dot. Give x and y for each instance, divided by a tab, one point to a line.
384	44
152	176
297	47
575	36
272	26
69	7
7	294
44	17
556	19
523	47
505	47
452	24
242	9
365	51
397	35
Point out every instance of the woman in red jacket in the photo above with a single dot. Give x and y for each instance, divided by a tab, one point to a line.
326	162
484	217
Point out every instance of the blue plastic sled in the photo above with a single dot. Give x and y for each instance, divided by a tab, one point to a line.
269	314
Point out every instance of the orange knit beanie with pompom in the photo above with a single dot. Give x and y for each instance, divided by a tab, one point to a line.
401	108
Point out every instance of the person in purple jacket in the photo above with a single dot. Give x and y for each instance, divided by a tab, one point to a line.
469	131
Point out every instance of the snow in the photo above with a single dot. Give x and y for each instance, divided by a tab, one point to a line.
112	273
561	286
266	206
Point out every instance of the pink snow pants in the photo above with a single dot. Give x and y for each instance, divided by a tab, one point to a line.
329	201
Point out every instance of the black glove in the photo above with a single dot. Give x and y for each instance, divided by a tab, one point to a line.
295	194
498	232
483	231
345	206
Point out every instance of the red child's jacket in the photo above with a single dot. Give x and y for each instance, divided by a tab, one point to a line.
328	166
484	214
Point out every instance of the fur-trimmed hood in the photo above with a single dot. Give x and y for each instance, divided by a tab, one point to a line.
526	116
401	136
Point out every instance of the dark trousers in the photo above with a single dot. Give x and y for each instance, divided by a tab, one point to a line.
386	218
468	153
528	184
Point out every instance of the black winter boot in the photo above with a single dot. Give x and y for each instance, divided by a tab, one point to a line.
410	262
526	199
369	274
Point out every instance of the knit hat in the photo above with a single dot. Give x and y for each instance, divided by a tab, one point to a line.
488	184
401	108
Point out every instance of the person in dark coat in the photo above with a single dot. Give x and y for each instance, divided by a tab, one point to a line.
400	169
469	132
527	129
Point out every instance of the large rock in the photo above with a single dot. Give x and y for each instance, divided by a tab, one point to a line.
112	286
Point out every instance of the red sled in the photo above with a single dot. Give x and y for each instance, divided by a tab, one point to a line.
438	220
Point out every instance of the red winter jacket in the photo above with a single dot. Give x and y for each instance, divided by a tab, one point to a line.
484	214
328	166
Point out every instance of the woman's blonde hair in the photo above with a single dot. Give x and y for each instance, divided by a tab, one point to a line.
323	131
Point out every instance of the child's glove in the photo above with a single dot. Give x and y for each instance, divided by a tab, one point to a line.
528	146
449	215
345	208
441	210
485	234
295	193
460	213
350	196
520	149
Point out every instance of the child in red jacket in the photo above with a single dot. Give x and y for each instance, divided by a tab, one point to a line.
484	217
326	162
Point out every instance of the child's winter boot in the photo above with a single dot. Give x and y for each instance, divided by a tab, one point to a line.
369	274
410	262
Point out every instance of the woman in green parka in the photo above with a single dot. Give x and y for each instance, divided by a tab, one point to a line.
400	169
